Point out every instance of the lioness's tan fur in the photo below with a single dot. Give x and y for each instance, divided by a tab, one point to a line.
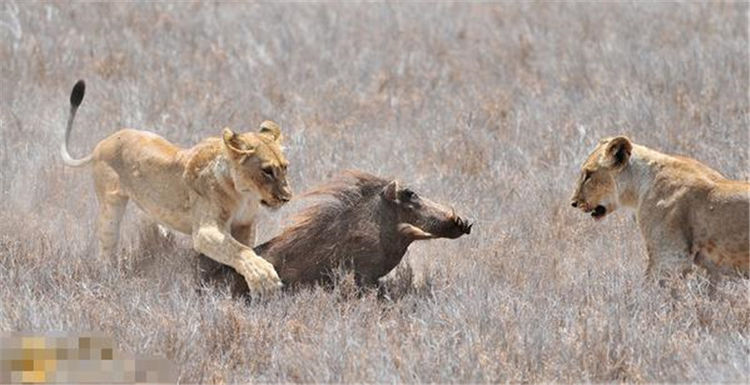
687	212
211	191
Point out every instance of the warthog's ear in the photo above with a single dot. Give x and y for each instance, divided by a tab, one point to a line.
235	143
271	128
390	191
617	152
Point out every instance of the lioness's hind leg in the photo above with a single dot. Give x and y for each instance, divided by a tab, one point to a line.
110	215
112	203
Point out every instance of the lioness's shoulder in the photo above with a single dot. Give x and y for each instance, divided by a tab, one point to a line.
200	156
688	167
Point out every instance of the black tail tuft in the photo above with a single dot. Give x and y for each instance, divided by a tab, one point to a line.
76	97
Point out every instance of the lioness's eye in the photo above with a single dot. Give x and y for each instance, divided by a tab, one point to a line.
586	175
268	172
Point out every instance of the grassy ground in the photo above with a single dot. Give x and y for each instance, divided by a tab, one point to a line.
491	108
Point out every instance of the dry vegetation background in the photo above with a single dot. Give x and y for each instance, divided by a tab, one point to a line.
489	107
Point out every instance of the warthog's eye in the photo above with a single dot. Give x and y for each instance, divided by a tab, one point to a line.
409	195
268	172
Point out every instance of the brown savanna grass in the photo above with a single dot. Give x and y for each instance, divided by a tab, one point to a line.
490	107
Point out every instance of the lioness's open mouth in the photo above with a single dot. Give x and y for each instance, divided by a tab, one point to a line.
599	212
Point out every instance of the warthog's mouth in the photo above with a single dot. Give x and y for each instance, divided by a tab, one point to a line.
458	228
462	224
410	231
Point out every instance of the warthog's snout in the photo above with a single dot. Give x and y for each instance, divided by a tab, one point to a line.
457	226
462	224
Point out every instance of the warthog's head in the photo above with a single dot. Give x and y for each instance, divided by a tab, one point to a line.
596	190
420	218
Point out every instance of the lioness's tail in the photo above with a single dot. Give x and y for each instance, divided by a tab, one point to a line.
76	97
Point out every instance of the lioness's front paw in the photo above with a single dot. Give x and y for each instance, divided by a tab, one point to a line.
260	275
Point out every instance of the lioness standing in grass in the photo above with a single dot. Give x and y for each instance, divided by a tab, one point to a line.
688	213
211	191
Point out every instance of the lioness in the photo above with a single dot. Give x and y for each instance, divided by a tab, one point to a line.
211	191
688	213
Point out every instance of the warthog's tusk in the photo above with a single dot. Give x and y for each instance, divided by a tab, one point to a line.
413	232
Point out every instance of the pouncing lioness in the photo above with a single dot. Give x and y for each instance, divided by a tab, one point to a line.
211	191
687	212
364	224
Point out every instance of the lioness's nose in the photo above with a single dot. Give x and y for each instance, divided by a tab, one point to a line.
286	195
574	204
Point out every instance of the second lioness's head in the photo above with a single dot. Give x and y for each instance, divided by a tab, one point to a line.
257	163
596	189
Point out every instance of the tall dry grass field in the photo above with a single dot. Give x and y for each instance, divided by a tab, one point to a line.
488	107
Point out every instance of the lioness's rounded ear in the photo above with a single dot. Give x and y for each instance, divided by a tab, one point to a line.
390	191
228	135
271	128
618	152
234	142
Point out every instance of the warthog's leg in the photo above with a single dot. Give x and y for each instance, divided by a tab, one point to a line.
112	203
214	240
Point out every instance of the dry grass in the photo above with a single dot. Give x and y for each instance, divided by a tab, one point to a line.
489	107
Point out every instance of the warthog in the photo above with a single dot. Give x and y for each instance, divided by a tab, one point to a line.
365	226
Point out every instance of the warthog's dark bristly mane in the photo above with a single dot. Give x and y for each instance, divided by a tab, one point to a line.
344	192
349	188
